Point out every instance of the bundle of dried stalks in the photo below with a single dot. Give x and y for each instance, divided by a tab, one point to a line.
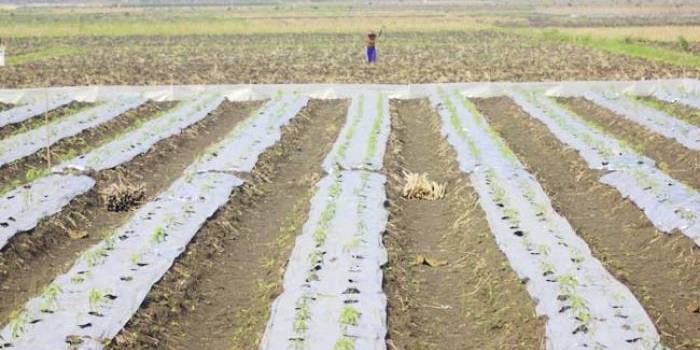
419	187
122	196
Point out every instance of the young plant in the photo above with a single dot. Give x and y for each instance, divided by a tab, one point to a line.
547	268
567	284
95	257
344	343
96	298
18	320
349	316
110	241
301	319
158	235
50	295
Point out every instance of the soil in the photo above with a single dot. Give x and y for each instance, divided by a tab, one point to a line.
681	111
218	294
32	259
679	162
404	57
659	269
13	174
475	301
41	119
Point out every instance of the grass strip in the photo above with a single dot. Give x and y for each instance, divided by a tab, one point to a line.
615	46
43	55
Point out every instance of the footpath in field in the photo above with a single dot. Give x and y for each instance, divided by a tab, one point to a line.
585	306
616	230
90	303
435	307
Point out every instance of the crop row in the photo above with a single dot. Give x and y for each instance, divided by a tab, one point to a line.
24	144
31	110
667	203
333	296
89	304
657	121
585	306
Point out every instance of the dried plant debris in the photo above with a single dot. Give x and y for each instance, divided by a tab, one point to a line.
418	186
122	196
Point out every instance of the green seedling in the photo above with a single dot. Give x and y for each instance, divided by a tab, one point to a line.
50	295
576	255
96	298
547	268
349	316
135	258
110	241
158	235
320	235
567	284
316	257
95	257
18	320
543	249
344	343
301	319
355	242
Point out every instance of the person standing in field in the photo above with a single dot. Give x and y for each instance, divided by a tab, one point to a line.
371	46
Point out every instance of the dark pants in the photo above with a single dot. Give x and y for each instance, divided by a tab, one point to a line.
371	54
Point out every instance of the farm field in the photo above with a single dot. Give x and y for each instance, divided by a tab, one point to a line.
515	176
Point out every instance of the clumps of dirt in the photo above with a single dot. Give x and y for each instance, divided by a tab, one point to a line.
447	283
122	196
418	186
660	269
218	293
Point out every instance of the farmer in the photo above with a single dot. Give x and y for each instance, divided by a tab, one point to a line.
371	49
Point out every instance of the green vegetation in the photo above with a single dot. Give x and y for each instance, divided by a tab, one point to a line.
615	46
158	235
50	295
95	298
344	344
349	316
43	55
683	43
17	322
